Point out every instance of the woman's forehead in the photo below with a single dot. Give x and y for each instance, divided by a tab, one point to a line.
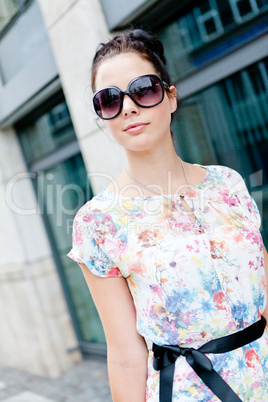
120	69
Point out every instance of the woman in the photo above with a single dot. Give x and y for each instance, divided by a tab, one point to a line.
178	245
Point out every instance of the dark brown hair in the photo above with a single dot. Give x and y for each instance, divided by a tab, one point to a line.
137	41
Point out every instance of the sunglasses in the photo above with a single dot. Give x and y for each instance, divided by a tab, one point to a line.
146	91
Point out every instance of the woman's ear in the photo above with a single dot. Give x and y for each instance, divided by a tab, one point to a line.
172	95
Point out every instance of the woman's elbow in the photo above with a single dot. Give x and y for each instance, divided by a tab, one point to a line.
128	356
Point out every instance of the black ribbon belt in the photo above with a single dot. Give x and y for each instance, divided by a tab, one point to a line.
165	357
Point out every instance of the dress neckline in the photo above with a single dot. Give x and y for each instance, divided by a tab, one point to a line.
156	196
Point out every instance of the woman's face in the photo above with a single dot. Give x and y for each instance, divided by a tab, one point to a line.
136	128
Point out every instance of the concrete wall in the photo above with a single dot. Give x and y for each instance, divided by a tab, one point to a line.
36	329
75	28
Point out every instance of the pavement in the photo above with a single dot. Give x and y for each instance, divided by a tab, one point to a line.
85	382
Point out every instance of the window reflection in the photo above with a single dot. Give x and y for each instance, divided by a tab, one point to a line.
191	40
227	124
62	190
208	21
212	17
62	187
8	9
243	8
47	133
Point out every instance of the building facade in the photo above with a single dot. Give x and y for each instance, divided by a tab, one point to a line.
54	156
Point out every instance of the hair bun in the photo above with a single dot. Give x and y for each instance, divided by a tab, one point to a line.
149	41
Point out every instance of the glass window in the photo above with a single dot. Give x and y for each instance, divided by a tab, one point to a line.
243	8
257	78
199	36
188	31
204	7
227	124
8	9
209	22
47	133
62	190
210	26
62	187
262	4
225	11
23	42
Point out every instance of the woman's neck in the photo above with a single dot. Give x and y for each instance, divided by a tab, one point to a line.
154	169
161	169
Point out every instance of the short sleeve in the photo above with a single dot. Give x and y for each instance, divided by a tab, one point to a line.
88	249
250	208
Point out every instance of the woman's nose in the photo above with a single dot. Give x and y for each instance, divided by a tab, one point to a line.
129	107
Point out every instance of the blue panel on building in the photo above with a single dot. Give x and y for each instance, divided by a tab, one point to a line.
26	61
231	43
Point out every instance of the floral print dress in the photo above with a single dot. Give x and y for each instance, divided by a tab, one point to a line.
188	286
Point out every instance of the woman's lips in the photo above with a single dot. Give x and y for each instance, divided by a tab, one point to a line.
136	128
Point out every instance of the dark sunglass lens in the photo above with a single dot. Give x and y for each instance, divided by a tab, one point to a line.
107	103
147	91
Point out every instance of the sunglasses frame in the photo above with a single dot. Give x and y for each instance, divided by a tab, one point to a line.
163	84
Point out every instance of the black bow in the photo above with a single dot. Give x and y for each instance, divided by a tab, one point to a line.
165	357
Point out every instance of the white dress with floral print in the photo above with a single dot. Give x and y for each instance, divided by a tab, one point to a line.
188	287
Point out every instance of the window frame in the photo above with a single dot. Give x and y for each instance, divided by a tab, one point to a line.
236	14
21	8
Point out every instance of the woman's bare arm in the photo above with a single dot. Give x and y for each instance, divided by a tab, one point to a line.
126	348
265	313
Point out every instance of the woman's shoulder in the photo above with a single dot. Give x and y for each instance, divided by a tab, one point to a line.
218	174
219	169
100	217
100	204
